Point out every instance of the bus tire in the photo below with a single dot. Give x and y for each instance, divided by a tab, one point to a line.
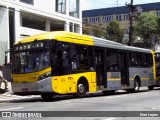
81	90
150	87
136	87
47	96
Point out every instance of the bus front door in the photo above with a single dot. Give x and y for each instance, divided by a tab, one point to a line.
100	67
124	68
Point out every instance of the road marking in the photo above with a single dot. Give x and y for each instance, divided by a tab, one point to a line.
110	119
11	109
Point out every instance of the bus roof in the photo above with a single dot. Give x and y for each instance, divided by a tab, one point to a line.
60	36
110	44
80	39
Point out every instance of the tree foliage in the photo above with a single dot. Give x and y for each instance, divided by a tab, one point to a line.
94	30
85	31
158	29
98	32
146	29
114	32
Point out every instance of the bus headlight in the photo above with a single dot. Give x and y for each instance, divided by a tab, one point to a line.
45	75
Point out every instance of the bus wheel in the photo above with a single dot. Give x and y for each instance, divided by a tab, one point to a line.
150	87
81	90
136	87
47	96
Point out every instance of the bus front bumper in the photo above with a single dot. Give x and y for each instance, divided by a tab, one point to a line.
38	87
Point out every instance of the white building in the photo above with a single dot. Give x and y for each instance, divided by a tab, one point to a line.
21	18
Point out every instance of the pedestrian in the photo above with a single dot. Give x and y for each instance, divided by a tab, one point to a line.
3	80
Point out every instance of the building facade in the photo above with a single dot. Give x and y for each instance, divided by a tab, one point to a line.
101	17
21	18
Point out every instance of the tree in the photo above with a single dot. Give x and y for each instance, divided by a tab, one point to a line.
146	29
98	31
114	32
95	30
158	30
85	30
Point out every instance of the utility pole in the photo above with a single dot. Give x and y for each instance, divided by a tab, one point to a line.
135	11
131	15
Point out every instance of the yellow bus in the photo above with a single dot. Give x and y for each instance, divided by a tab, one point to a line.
68	63
157	62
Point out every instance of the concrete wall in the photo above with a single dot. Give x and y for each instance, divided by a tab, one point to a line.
4	33
45	5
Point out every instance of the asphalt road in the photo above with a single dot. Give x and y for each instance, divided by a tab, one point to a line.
95	106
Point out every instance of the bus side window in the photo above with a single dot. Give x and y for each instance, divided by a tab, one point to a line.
143	59
63	58
74	58
113	60
133	59
91	59
150	60
79	56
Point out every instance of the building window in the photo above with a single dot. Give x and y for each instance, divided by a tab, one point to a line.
27	1
61	6
33	22
126	16
107	18
76	28
94	20
74	8
119	17
71	27
57	25
158	13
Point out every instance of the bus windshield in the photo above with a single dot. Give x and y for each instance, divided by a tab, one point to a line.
157	58
30	61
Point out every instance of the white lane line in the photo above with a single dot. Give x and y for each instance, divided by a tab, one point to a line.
11	109
110	119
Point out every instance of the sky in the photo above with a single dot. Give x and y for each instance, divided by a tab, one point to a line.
97	4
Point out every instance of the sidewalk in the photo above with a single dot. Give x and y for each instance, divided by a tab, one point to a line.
2	91
9	96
